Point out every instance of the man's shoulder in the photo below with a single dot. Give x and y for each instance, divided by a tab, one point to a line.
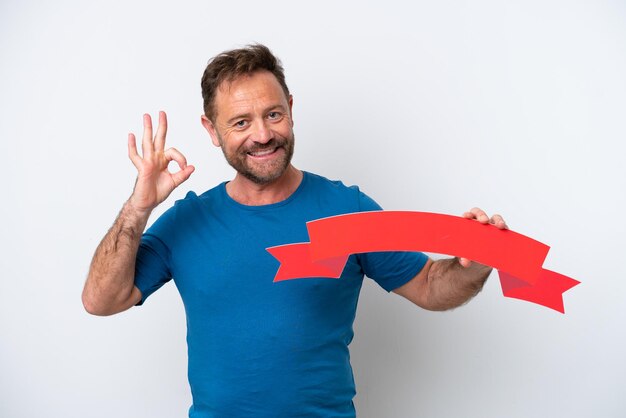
318	180
337	191
191	206
192	198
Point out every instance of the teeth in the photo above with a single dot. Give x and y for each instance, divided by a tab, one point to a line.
261	153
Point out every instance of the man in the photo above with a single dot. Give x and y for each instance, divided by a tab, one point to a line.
256	348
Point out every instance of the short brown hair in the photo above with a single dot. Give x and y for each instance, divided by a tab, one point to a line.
229	65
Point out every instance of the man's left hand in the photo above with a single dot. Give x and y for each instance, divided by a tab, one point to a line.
480	215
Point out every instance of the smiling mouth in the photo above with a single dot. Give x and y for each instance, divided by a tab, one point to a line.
263	153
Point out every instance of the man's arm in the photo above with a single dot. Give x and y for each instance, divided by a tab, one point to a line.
109	287
449	283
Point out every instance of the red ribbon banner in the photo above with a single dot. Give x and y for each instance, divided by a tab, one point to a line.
517	258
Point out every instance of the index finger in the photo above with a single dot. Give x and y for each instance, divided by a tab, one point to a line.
159	139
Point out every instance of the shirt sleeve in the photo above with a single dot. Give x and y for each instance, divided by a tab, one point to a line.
390	269
152	265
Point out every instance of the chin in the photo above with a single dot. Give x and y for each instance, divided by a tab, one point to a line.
264	178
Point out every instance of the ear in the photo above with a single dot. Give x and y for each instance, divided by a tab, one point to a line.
290	109
208	125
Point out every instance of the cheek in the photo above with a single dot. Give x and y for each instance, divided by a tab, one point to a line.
233	140
284	129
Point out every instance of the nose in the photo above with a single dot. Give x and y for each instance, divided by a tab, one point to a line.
261	133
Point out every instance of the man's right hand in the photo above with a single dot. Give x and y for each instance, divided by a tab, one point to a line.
154	180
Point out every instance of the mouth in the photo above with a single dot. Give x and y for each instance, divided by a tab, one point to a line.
266	153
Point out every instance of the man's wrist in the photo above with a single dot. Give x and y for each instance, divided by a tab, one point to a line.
134	214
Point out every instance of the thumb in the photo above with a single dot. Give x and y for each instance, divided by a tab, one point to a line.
465	262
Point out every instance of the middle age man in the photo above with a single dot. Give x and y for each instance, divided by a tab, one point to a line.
256	348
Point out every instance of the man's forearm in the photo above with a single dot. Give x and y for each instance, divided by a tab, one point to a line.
451	285
110	284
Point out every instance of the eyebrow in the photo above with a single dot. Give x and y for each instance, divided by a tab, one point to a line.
247	115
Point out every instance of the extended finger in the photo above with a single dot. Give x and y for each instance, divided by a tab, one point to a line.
132	151
498	221
146	142
172	154
159	139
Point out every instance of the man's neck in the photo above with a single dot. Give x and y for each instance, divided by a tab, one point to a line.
247	192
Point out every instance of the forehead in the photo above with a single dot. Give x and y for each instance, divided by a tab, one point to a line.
259	89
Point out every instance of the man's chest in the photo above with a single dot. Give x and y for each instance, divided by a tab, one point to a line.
225	267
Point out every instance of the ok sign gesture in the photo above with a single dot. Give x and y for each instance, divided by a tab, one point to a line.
154	181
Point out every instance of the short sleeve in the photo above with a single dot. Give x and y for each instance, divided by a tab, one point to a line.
390	269
152	265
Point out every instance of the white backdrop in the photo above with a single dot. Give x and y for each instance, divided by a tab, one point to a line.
518	107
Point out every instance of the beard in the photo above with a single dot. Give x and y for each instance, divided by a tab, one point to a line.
261	172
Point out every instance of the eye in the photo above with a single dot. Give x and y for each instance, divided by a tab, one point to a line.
240	124
274	115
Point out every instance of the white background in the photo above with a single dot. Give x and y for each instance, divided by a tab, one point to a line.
515	106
